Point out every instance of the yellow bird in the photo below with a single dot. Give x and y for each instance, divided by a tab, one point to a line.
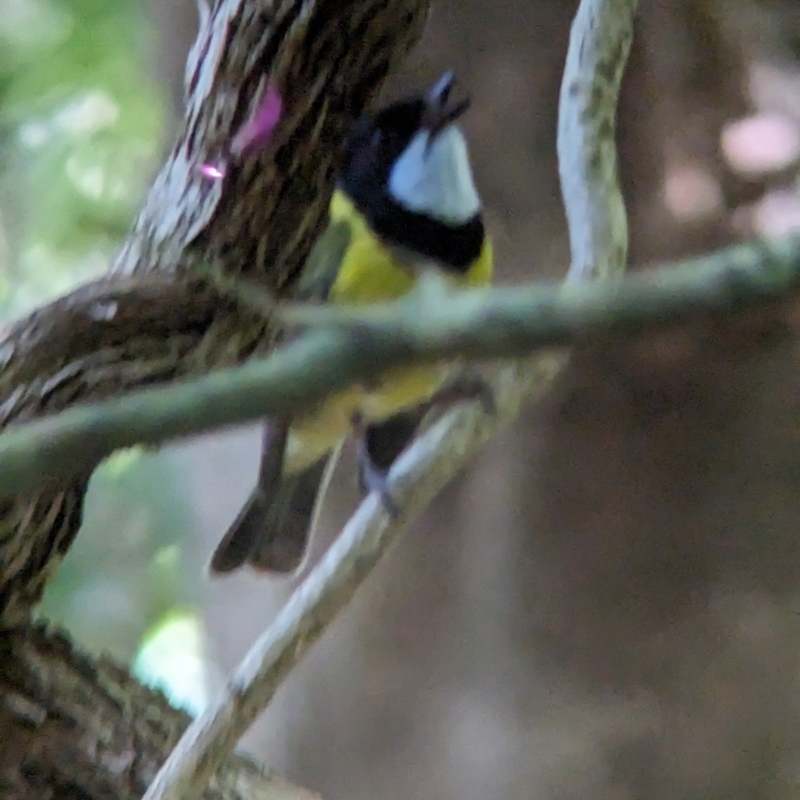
405	202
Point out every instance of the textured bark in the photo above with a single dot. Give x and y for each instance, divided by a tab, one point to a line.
328	58
75	728
83	730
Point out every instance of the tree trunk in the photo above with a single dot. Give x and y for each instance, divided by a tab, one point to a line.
76	728
71	727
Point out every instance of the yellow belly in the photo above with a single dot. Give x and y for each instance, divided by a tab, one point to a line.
371	273
312	437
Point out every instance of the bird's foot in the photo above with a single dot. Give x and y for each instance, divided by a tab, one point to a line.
465	386
372	477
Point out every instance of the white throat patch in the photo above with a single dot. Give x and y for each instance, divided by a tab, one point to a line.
436	182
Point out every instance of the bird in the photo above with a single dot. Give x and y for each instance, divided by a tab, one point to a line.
404	204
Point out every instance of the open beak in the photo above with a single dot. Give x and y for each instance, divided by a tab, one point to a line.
442	108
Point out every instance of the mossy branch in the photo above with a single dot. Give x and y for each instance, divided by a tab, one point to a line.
346	345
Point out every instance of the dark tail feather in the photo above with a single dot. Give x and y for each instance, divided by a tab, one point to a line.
272	530
283	543
235	547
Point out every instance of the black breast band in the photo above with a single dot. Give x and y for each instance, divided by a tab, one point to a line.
455	247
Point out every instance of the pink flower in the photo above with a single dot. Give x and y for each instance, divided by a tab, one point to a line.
253	135
256	130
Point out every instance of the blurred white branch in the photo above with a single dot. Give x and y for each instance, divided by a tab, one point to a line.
600	41
602	28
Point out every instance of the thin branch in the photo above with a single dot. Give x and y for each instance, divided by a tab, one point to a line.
600	41
351	343
416	478
439	454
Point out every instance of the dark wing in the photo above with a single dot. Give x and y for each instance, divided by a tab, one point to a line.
272	530
320	270
245	531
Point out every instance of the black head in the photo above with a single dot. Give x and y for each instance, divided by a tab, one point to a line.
405	210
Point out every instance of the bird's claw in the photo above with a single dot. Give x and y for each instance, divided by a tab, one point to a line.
467	386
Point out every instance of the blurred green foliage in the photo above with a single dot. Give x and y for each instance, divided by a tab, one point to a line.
124	570
172	657
81	123
81	117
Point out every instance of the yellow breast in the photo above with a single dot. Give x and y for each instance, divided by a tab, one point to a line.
372	273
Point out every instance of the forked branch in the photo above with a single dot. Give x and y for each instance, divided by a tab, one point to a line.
601	26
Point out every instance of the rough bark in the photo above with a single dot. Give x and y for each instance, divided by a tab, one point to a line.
83	728
328	59
71	727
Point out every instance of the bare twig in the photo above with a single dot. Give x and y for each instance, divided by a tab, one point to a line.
587	154
605	27
351	342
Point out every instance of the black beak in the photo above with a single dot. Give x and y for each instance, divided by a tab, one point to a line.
441	107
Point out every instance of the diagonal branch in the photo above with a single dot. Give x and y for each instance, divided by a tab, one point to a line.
158	318
327	58
348	345
604	27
